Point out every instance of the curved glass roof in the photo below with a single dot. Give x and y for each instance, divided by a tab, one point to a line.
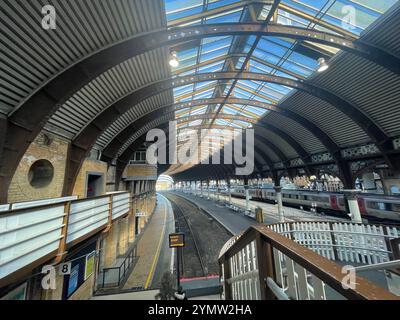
269	55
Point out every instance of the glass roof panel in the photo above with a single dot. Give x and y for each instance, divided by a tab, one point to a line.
277	56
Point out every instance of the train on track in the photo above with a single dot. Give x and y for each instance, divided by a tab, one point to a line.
372	206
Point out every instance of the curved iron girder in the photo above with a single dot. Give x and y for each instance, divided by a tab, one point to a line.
61	88
24	125
89	135
303	154
266	143
128	153
258	150
123	160
310	126
342	164
87	138
114	148
259	153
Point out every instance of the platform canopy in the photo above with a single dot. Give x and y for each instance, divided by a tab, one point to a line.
102	79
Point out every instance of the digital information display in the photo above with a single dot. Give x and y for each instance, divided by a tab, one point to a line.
176	240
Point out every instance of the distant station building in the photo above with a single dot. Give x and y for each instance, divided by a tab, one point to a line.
164	183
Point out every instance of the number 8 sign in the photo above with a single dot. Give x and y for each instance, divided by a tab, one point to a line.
64	269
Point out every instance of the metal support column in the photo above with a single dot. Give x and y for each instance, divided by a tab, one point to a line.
246	189
278	191
229	193
354	209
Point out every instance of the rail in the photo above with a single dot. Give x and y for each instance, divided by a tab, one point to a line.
194	238
115	276
36	232
380	266
262	264
343	241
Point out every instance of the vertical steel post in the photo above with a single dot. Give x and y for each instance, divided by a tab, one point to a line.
178	267
229	193
353	206
246	190
278	192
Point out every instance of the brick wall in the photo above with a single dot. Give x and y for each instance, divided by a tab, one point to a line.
140	170
48	147
111	178
89	166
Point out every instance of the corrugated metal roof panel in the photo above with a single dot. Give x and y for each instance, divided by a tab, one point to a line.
372	88
150	125
385	34
299	133
271	154
34	55
108	88
288	151
132	115
336	124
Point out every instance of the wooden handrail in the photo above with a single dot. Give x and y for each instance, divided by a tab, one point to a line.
326	270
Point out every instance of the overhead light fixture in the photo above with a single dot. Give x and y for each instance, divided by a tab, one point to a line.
323	66
173	59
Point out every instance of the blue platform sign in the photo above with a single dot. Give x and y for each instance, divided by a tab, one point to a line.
73	280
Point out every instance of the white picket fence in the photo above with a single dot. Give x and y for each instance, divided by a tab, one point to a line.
349	242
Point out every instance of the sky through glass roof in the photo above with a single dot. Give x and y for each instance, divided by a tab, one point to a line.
272	55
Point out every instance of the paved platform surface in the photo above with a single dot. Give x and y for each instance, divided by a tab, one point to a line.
147	295
153	256
140	295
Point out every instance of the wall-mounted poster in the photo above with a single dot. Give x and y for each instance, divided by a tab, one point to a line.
89	265
18	293
73	280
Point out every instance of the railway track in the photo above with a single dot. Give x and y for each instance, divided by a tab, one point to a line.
183	225
204	237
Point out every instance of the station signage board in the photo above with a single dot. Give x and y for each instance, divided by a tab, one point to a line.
176	240
140	214
89	265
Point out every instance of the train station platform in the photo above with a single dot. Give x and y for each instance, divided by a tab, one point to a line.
154	255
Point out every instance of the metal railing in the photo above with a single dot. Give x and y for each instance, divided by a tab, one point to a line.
115	276
262	264
341	241
32	235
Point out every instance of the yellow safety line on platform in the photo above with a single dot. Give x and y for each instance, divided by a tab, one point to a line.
150	276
